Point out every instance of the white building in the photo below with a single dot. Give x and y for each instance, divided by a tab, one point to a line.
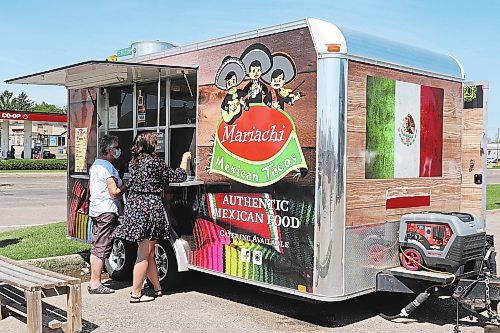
493	152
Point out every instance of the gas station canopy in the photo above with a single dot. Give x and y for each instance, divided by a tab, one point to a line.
99	73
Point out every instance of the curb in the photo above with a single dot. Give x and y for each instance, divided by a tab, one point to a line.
83	257
30	174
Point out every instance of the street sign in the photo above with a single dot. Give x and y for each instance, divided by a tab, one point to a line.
124	52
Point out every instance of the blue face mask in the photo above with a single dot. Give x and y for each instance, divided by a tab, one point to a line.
118	153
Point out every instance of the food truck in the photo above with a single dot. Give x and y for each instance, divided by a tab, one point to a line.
309	142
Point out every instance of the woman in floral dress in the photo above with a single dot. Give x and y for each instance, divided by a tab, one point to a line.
145	221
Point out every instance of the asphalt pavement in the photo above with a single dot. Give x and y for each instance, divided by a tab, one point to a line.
493	176
28	199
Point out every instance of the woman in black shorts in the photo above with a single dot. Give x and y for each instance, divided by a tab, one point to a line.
145	221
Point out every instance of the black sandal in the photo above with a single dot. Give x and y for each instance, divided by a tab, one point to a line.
140	299
158	293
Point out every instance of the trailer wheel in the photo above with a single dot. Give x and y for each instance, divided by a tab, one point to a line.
120	262
411	259
166	264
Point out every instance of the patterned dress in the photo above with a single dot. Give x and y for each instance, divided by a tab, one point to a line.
145	216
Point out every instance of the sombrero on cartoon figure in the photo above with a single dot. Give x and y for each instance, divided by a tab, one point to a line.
257	54
230	66
282	63
282	72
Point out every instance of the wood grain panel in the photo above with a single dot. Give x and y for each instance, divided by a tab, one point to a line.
378	214
366	198
472	195
372	193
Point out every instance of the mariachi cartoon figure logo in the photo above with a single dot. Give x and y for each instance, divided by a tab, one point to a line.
407	130
256	141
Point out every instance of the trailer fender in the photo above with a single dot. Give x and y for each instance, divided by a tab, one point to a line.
181	250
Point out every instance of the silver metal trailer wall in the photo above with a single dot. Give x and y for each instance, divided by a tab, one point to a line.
359	205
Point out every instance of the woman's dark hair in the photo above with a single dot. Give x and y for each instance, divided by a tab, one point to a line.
144	143
106	143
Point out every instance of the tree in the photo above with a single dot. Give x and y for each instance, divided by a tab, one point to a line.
22	103
6	102
47	108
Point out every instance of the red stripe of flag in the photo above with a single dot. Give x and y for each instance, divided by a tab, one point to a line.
408	202
431	131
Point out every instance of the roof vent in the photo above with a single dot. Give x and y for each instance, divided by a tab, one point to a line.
147	47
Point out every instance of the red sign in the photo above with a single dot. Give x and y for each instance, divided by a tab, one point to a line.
49	117
259	134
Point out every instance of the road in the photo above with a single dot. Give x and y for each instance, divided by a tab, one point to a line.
31	199
493	176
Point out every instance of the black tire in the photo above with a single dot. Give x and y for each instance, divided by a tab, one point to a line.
166	263
120	262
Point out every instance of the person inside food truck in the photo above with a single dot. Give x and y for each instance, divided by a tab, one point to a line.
106	190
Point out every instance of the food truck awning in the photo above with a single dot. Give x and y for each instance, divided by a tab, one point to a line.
99	73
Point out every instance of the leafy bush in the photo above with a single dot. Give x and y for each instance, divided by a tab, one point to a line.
22	164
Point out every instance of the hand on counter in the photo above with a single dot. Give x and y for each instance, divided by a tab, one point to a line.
185	160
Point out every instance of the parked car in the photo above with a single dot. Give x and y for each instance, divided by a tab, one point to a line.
48	155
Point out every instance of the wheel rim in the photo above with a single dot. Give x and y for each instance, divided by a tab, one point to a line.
161	261
411	259
116	258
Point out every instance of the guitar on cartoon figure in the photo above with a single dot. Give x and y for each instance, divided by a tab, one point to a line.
234	106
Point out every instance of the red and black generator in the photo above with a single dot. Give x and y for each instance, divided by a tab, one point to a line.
452	242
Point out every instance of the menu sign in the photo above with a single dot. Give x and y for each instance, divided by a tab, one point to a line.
80	149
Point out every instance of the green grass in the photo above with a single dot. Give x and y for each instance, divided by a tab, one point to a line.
493	196
39	242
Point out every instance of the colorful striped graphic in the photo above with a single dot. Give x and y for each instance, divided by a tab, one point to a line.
233	235
404	129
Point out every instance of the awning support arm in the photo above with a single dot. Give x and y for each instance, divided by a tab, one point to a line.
187	82
158	104
94	103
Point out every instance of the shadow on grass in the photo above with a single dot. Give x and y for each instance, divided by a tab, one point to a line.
7	242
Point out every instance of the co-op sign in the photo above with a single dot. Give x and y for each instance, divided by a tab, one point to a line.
14	116
50	117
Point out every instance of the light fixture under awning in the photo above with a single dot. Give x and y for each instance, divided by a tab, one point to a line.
97	73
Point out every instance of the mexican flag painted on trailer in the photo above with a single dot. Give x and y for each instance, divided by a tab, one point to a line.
404	129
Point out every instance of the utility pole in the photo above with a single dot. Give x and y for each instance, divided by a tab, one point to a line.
498	141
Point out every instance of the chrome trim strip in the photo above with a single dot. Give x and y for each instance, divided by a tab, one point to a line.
389	65
330	190
282	289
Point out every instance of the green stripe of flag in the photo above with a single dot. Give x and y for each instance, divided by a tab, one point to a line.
380	103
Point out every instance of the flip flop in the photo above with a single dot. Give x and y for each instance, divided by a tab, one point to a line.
141	299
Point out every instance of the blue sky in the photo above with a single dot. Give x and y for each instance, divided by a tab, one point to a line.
39	35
